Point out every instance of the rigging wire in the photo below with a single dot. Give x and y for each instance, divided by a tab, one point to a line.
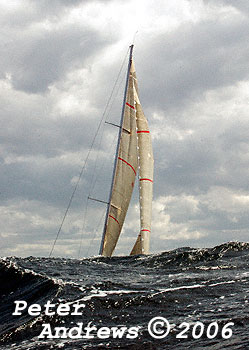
86	159
110	147
94	180
102	217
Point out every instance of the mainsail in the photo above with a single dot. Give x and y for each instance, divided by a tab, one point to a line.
134	151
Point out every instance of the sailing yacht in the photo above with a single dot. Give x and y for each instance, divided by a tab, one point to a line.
134	157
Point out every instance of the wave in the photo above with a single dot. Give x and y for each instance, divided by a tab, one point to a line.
137	285
182	257
20	284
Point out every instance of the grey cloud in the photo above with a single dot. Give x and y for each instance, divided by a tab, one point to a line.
193	59
33	11
55	5
40	135
37	181
47	56
189	166
38	51
241	5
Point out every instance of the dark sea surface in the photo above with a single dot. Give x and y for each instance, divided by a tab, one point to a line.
208	289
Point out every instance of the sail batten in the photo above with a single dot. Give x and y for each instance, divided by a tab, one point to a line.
134	151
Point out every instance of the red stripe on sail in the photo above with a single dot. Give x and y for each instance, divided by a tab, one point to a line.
146	180
143	132
127	164
114	219
130	105
145	230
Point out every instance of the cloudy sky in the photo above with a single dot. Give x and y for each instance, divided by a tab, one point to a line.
59	60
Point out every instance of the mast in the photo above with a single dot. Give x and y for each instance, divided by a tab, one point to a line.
117	149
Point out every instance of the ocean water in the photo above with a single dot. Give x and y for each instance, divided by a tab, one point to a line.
200	295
